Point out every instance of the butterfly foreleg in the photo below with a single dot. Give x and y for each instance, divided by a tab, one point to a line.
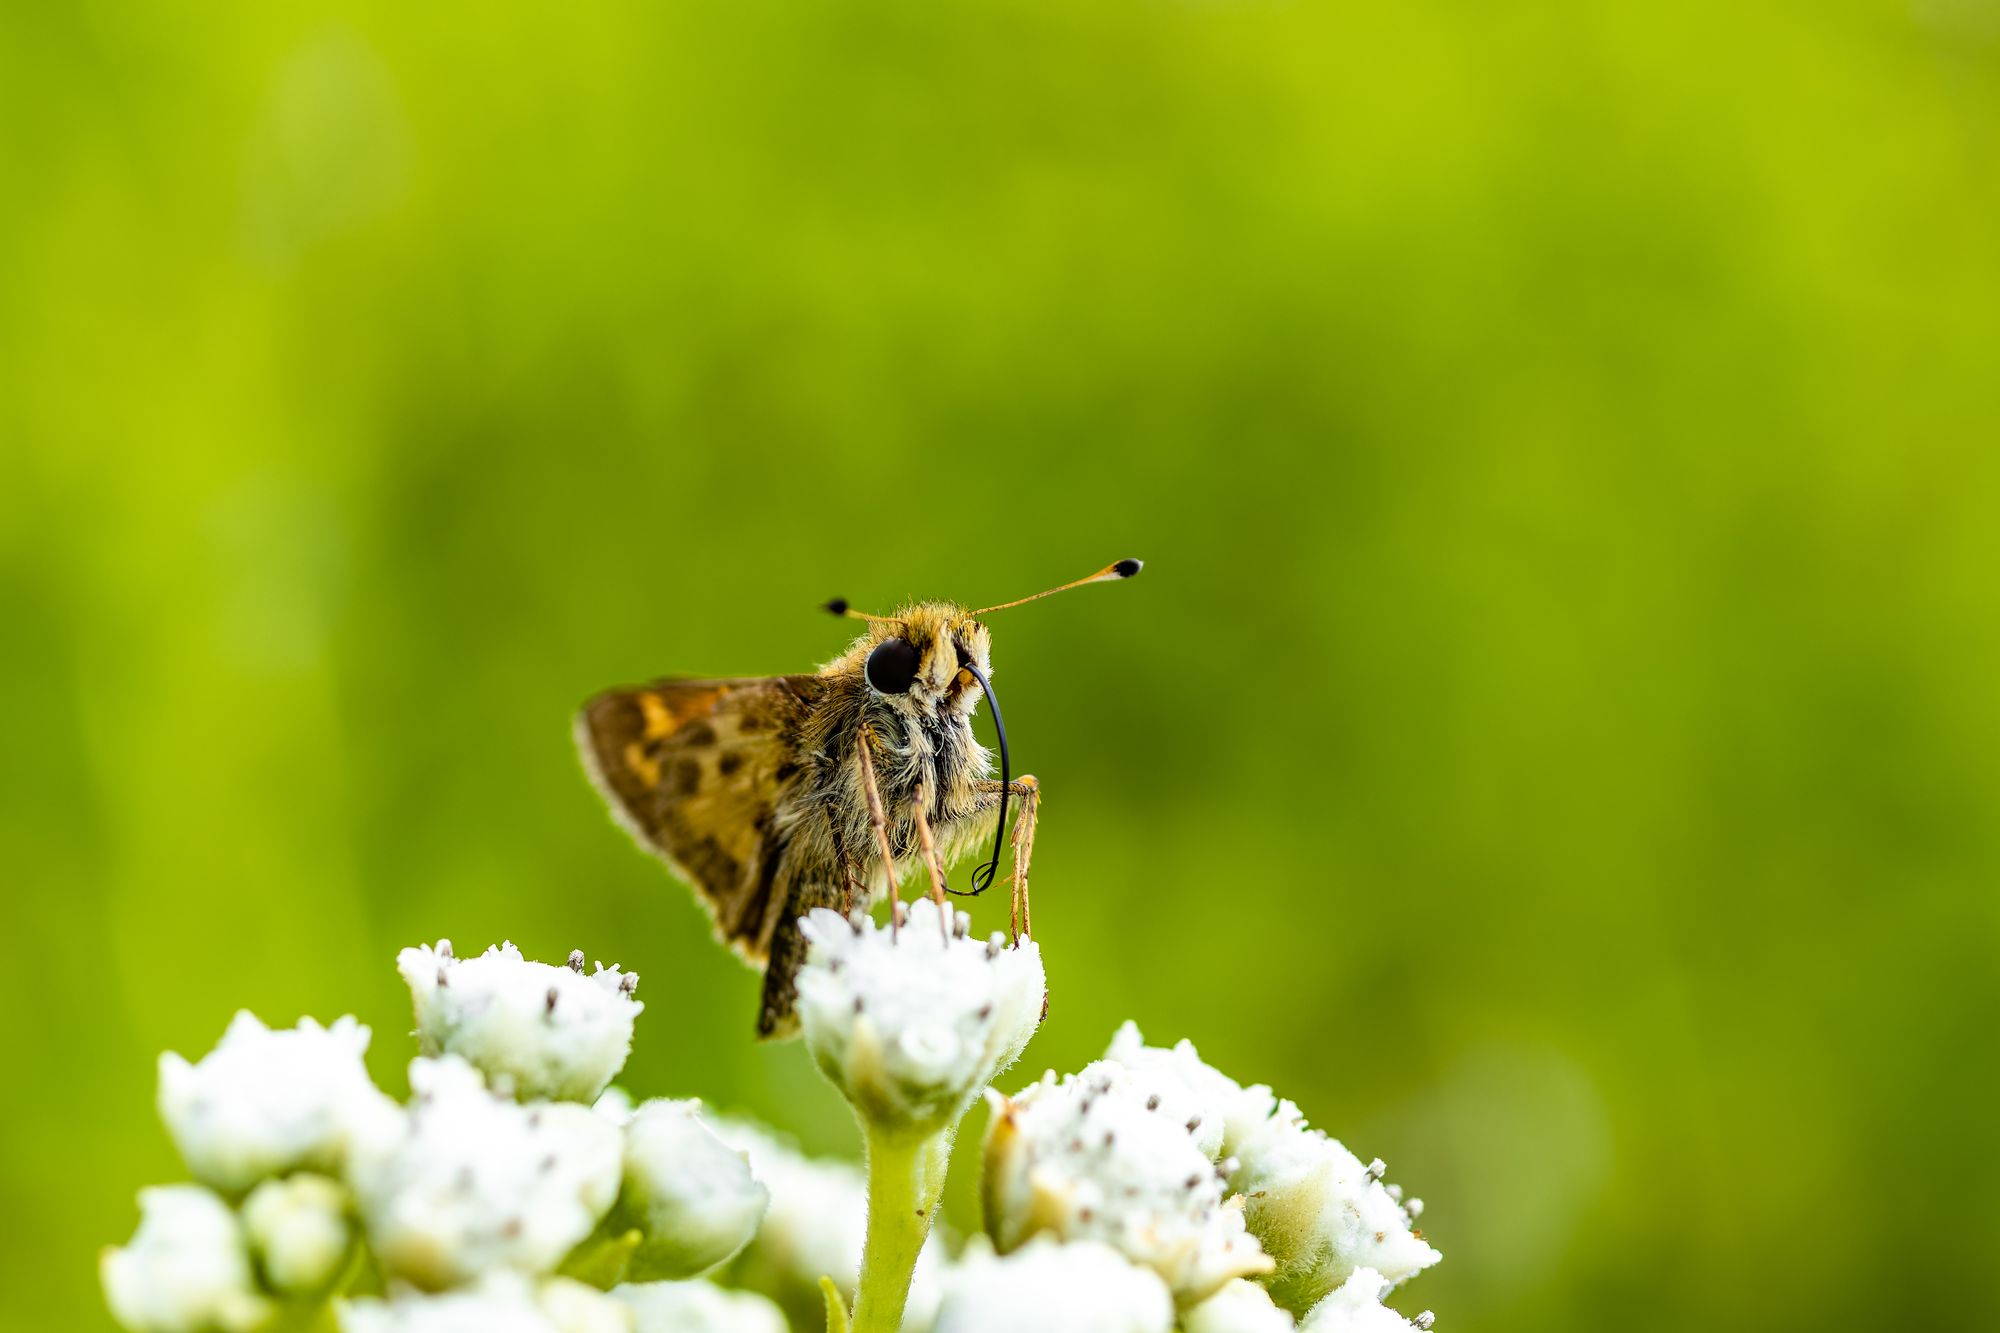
851	889
928	846
1030	793
878	821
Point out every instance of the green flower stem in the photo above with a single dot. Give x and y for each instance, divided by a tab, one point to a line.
905	1180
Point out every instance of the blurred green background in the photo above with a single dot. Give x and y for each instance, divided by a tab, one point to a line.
1556	739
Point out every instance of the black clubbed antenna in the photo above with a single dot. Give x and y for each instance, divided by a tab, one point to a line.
1111	573
839	607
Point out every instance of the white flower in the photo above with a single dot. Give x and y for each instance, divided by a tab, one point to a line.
1356	1307
263	1103
536	1030
575	1308
815	1227
911	1026
1321	1214
298	1227
185	1269
1051	1287
698	1307
472	1182
1240	1307
1233	1110
817	1219
690	1193
501	1303
1105	1155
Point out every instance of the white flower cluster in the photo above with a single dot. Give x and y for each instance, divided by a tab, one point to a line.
474	1182
467	1203
514	1193
688	1196
698	1307
912	1024
534	1029
1241	1306
300	1231
501	1302
1110	1155
187	1266
1251	1218
1322	1213
1079	1287
1356	1307
263	1103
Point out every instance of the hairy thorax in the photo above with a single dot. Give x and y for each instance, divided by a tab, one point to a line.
921	740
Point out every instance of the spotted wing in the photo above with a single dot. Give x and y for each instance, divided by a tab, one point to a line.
693	769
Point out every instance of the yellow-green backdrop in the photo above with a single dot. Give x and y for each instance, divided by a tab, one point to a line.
1557	736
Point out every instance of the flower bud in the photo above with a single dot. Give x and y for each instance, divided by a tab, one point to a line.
698	1307
1356	1307
615	1104
263	1103
1321	1214
471	1182
573	1307
502	1302
689	1193
298	1228
1103	1155
1233	1110
535	1030
1240	1307
1053	1287
185	1270
911	1025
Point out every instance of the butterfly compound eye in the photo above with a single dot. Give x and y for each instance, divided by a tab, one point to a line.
892	667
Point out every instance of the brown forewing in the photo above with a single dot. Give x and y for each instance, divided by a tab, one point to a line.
693	769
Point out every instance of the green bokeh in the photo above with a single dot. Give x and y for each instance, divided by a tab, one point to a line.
1556	739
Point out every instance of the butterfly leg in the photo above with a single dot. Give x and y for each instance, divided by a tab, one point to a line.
850	870
928	845
1030	792
879	822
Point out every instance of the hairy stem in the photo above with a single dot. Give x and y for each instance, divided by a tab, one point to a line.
905	1178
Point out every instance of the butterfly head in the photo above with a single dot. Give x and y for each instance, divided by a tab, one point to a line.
925	659
936	657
